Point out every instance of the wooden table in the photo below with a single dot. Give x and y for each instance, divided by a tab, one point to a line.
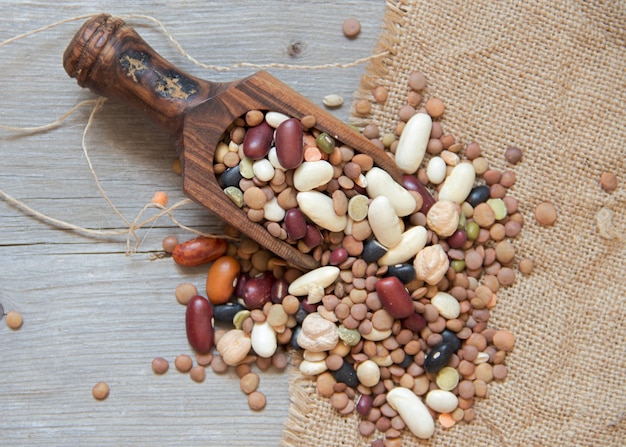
91	312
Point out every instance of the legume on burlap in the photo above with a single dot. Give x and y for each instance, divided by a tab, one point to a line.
549	77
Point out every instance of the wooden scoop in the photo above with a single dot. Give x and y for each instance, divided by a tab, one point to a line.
112	60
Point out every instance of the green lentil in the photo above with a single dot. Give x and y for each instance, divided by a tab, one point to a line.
325	143
458	265
472	230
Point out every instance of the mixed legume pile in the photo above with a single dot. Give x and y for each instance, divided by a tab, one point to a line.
394	323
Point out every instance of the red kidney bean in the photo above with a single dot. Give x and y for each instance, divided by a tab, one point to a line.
198	251
412	183
289	147
313	236
258	291
258	140
414	322
199	324
394	297
241	284
295	224
279	290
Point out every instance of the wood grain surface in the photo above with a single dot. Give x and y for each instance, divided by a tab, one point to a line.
91	312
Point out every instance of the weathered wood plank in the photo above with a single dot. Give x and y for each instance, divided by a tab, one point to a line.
91	313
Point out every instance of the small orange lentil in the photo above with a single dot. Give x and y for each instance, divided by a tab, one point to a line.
380	93
446	420
363	107
526	266
100	391
312	154
14	320
160	198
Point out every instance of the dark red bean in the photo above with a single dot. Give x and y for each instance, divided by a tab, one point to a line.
414	322
412	183
289	147
313	236
394	297
337	256
457	239
258	141
279	290
198	251
295	224
258	291
364	404
199	324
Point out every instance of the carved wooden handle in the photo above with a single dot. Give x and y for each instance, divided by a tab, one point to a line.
112	60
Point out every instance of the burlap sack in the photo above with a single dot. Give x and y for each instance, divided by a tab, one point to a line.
549	77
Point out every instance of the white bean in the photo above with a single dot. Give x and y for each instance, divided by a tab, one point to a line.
436	170
320	277
459	183
442	401
412	411
447	305
385	224
311	174
319	208
272	211
274	119
411	242
263	339
263	170
412	143
380	183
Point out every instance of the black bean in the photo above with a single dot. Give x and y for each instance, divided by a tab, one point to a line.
231	177
478	195
438	357
346	374
404	272
373	251
225	313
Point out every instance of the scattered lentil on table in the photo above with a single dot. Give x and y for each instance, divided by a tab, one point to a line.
100	391
14	319
394	324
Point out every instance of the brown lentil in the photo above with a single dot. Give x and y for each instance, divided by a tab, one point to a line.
197	373
160	365
183	363
608	181
545	213
184	292
100	391
256	400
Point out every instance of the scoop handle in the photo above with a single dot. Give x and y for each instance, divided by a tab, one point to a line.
111	59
